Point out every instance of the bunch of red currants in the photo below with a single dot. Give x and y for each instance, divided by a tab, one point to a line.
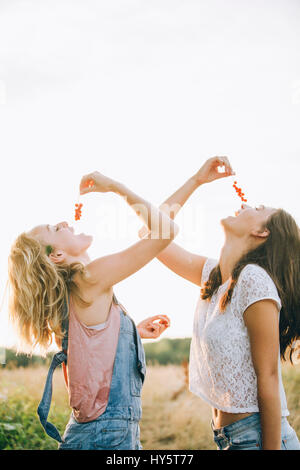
78	206
239	192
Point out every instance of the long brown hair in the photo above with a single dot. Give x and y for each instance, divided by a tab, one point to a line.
279	255
38	292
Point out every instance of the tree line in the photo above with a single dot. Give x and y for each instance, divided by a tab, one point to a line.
163	352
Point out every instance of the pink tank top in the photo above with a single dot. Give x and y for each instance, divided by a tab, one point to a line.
91	355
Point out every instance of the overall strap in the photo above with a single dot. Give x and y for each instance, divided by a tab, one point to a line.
65	327
118	303
138	343
58	358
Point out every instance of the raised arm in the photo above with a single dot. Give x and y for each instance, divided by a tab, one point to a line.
182	262
109	270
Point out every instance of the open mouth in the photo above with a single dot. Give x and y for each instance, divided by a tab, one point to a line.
238	212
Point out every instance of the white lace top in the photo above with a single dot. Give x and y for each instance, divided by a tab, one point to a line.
221	370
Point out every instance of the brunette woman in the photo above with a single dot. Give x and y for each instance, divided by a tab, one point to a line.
247	317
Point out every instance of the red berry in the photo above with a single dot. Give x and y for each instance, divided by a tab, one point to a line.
239	192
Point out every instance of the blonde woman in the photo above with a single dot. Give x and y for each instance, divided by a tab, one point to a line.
247	316
52	280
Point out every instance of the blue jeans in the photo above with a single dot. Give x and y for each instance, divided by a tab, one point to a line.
245	434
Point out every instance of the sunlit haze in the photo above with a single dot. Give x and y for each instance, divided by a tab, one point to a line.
145	92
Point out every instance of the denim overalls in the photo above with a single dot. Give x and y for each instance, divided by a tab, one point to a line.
118	427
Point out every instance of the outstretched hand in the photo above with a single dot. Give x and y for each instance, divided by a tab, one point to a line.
95	182
151	329
210	170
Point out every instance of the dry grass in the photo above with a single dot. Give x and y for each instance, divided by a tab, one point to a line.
173	418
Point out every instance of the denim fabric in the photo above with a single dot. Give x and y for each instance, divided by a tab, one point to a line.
44	406
118	427
245	434
58	358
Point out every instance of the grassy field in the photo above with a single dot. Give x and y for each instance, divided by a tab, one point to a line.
173	418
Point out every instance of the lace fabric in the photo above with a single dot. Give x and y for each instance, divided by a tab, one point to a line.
221	369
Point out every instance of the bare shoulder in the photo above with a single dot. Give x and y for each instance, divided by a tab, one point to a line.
89	289
99	302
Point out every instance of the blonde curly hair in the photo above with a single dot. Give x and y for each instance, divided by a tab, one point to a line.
38	290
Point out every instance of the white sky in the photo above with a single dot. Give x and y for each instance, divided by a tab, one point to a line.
146	91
